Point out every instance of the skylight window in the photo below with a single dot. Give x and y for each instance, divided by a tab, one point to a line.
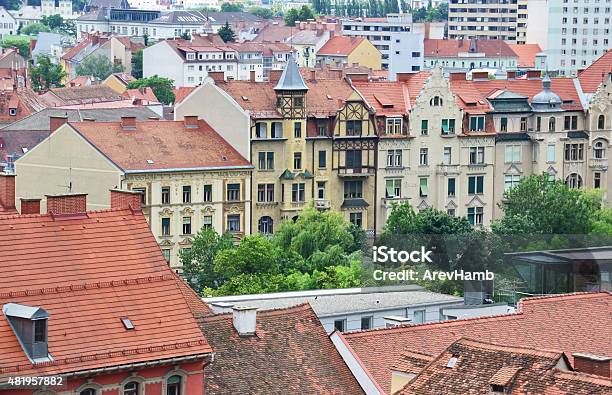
452	362
127	323
245	98
150	161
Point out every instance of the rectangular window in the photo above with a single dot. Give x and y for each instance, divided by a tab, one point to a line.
297	160
503	124
513	154
266	160
574	152
186	193
475	215
424	127
477	155
447	156
550	153
367	322
353	159
538	124
322	159
165	222
423	157
475	185
143	195
321	128
451	212
165	195
393	188
451	187
40	331
510	181
596	180
353	128
207	223
186	225
477	123
448	126
353	189
394	125
265	193
297	130
320	189
233	223
277	130
233	192
298	192
356	219
166	254
340	325
418	317
394	158
423	187
523	124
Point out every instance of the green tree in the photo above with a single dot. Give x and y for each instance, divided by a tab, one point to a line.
185	35
137	64
22	43
58	24
306	13
291	16
547	207
12	4
199	262
162	87
254	255
45	74
98	66
226	33
33	29
232	7
265	13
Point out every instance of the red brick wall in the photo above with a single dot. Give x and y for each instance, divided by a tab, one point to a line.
67	204
30	206
7	191
599	368
125	199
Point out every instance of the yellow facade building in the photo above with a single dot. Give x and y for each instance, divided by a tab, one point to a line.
345	50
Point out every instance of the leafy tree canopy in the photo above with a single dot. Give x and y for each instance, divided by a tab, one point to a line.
98	66
226	33
265	13
22	43
162	87
33	29
45	74
232	7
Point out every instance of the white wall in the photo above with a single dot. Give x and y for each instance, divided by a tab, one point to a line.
162	60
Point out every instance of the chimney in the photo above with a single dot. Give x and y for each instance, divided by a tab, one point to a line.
480	75
128	123
252	76
358	76
534	74
275	75
71	203
395	320
403	77
222	307
313	75
460	76
95	39
217	76
592	364
30	206
7	191
245	320
122	199
55	121
511	75
302	25
191	121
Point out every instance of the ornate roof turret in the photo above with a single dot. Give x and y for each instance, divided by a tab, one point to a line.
291	79
546	100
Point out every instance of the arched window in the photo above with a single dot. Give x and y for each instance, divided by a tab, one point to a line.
435	101
174	385
599	150
601	122
551	124
88	391
131	388
573	181
265	225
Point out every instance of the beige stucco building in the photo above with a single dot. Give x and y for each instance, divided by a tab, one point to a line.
188	175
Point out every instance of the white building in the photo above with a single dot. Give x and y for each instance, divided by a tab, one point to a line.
573	34
8	24
491	19
399	40
57	7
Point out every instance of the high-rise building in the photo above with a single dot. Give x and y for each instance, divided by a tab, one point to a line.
492	19
573	34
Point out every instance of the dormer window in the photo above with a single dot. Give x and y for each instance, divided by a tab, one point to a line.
30	327
12	112
191	56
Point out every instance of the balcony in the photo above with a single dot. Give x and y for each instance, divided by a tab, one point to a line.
598	164
356	171
322	204
448	169
389	202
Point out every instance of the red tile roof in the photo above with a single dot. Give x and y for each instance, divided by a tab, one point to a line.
570	323
145	94
340	46
290	353
519	370
526	54
591	77
452	48
168	144
80	95
88	272
181	93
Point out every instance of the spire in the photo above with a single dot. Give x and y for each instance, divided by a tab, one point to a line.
291	79
546	82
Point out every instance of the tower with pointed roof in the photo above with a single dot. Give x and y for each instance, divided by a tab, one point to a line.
291	92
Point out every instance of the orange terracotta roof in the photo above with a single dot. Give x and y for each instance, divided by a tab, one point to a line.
80	95
570	323
88	272
163	145
340	45
526	54
479	365
289	353
145	94
453	48
181	93
591	77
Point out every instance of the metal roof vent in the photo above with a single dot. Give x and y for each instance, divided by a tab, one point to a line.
127	323
150	161
452	362
30	327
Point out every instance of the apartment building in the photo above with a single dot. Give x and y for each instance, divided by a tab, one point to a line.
57	7
342	51
490	19
572	33
188	62
399	40
188	177
465	55
8	23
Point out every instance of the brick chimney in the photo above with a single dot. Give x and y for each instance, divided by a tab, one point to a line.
217	76
592	364
128	123
480	75
191	121
7	191
275	75
252	76
123	199
245	320
30	206
403	77
358	76
313	75
459	76
71	203
511	75
534	74
56	121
